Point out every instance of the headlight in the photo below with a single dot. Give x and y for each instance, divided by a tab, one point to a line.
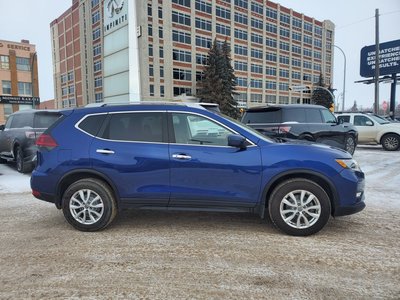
349	164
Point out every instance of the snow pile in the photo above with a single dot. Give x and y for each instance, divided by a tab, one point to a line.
13	182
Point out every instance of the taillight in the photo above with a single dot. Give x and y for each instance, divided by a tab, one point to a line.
30	134
47	141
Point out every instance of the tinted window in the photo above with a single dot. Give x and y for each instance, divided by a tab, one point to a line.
266	116
92	124
143	127
344	118
313	116
328	116
197	130
45	120
9	120
294	115
22	120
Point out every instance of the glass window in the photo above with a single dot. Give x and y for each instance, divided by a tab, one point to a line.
22	120
313	116
95	17
98	97
142	127
203	6
182	2
161	52
6	87
180	18
344	119
45	120
271	115
96	34
24	88
328	116
160	13
162	91
197	130
4	62
294	115
92	124
361	121
23	64
151	89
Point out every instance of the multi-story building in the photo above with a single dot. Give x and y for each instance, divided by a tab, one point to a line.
19	84
273	47
77	54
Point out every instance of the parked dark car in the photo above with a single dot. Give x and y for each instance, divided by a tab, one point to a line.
96	161
18	136
304	122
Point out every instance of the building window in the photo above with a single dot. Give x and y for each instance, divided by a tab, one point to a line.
23	64
271	28
182	74
283	86
4	62
70	76
98	82
271	56
271	13
270	71
203	24
317	55
307	77
284	32
257	23
162	91
8	110
283	100
160	32
72	102
256	83
257	8
223	29
95	17
203	6
241	81
242	3
241	18
160	13
161	71
182	37
161	52
297	23
181	55
285	19
307	39
256	53
318	43
96	34
182	90
241	50
318	30
308	27
182	2
271	42
284	46
223	13
284	73
180	18
64	91
307	52
240	66
296	49
256	38
24	89
202	41
149	10
97	66
151	70
296	36
270	99
270	85
150	30
98	97
150	50
256	98
151	89
63	78
71	89
256	68
201	59
97	50
6	87
296	75
95	2
307	64
241	34
296	62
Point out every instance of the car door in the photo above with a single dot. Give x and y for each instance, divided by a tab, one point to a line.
5	140
132	150
366	129
205	171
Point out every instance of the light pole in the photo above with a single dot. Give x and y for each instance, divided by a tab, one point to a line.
344	77
34	57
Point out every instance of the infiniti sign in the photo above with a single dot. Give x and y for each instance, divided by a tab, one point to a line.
113	6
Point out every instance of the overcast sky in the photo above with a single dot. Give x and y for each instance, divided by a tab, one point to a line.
354	20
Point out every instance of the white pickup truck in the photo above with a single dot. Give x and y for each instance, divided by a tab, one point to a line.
374	129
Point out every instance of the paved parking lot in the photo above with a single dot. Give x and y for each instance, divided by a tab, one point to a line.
150	254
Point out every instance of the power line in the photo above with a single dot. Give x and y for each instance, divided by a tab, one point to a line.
363	20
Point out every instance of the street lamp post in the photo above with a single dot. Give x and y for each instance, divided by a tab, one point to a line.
344	77
34	57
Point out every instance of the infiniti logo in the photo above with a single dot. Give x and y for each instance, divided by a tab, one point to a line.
113	6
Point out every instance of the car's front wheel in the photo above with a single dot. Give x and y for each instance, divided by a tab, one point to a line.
299	207
350	144
89	205
390	142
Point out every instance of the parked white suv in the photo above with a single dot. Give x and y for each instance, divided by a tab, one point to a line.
374	129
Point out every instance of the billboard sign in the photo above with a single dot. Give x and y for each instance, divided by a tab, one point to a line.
19	100
389	59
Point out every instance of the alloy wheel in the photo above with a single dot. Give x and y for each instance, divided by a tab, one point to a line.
86	206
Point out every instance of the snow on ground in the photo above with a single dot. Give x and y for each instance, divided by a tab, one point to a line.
381	168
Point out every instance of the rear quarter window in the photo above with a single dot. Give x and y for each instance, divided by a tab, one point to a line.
270	116
294	115
45	120
92	124
313	116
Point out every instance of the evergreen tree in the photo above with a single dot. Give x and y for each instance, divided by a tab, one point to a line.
354	108
321	96
218	80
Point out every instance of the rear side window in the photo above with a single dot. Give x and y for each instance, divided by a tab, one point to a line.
344	119
141	127
22	120
294	115
313	116
45	120
92	124
269	116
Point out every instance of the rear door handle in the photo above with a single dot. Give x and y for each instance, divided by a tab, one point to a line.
181	156
105	151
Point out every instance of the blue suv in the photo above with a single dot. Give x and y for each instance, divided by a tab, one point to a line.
95	161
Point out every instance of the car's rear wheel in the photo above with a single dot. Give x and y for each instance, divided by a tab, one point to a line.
299	207
390	142
350	144
89	205
22	167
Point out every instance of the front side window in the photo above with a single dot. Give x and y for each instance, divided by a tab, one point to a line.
198	130
362	121
139	127
328	116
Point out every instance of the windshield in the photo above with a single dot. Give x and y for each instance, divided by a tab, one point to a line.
379	119
247	128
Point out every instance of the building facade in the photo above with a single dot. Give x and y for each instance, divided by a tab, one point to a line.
273	47
19	84
77	41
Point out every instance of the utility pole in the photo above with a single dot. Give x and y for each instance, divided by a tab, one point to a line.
376	79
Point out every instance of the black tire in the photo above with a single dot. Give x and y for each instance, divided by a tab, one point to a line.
90	208
21	165
350	144
390	142
299	213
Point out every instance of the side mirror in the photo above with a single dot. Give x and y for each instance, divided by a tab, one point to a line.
238	141
369	123
2	127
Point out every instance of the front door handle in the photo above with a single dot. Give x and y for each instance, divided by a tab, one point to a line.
181	156
105	151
